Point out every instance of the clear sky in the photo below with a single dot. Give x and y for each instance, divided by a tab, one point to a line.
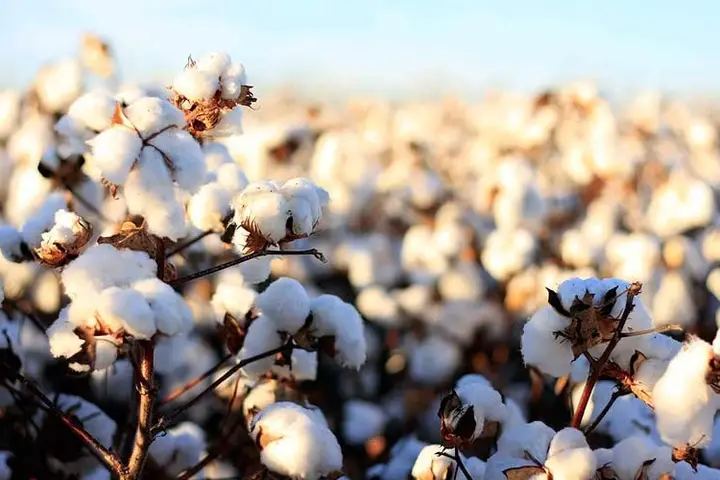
385	45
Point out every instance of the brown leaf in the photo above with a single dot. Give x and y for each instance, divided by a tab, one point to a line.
523	473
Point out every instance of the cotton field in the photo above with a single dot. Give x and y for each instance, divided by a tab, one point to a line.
199	281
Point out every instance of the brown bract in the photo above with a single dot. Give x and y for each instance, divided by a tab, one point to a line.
457	421
688	454
526	473
713	376
136	238
202	116
58	254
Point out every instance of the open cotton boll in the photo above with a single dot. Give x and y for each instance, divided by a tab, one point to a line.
231	177
10	107
231	123
149	192
209	206
43	219
431	465
286	302
267	212
333	317
508	252
129	309
629	455
685	404
434	360
463	282
682	203
151	114
172	315
540	347
362	421
307	189
63	340
188	163
234	299
256	270
633	255
261	337
377	305
486	403
114	152
533	438
672	302
94	110
58	84
295	443
216	154
196	85
179	449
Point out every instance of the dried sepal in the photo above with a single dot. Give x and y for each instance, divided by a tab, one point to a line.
525	473
55	252
642	473
713	375
686	453
457	421
606	473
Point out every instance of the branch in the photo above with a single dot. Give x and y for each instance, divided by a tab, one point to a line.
460	464
597	367
179	391
237	261
613	398
166	421
97	449
662	329
146	399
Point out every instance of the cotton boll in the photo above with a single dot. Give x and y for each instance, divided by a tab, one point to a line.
508	252
57	85
682	203
286	302
303	366
256	270
261	337
114	153
633	255
464	282
629	455
215	63
541	349
672	302
188	162
151	114
216	154
434	360
232	81
94	110
234	299
208	207
149	192
332	316
172	315
414	299
129	309
431	465
684	403
43	219
306	189
196	85
231	123
267	211
179	449
533	438
231	177
63	340
10	106
362	421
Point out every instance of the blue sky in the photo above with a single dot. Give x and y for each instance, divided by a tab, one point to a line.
385	45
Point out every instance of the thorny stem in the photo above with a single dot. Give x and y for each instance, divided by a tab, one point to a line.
179	391
661	329
237	261
596	368
613	398
188	243
222	445
109	459
166	421
146	400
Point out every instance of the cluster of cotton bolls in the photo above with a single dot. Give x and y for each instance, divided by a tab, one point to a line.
448	335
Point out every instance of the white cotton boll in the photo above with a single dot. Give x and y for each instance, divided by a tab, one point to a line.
572	464
286	302
541	349
186	156
629	455
151	114
215	63
232	81
434	360
377	305
208	207
231	177
302	216
180	448
362	421
57	85
172	315
682	203
295	443
633	255
129	309
94	110
430	464
43	219
567	439
114	153
233	298
332	316
106	352
196	85
216	154
149	192
267	211
306	189
486	402
231	123
414	299
508	252
63	340
533	438
684	403
261	337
